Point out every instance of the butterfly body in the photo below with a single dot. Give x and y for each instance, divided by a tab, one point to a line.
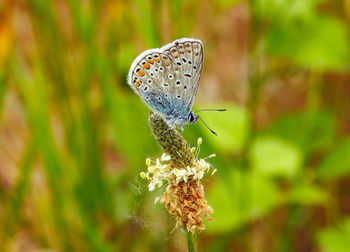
167	79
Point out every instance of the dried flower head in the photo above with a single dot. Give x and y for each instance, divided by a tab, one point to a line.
184	194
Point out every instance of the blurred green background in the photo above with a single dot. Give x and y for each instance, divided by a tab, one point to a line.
74	137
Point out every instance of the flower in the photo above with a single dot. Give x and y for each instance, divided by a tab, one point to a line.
184	194
165	157
161	171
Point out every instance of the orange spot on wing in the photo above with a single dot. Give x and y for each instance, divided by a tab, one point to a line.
157	59
150	61
141	73
176	55
137	84
146	66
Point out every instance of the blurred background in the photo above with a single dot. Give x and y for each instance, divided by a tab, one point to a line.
74	137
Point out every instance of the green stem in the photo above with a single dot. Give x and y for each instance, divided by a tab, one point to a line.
191	243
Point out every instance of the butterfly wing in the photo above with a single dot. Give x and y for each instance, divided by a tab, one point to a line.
187	54
167	78
146	81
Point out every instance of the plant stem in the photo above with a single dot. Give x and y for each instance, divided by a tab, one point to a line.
191	243
176	146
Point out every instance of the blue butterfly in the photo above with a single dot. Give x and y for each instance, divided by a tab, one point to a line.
167	80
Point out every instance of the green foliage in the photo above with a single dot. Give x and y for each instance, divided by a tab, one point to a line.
224	4
310	130
337	163
307	195
319	44
284	10
239	198
297	32
335	239
272	156
231	136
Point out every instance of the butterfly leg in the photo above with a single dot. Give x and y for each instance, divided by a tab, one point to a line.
181	129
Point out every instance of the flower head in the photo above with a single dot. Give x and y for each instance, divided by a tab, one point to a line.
184	194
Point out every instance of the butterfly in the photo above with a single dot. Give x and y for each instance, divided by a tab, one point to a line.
167	80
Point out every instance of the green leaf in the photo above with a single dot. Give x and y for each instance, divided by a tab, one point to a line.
311	130
337	163
284	10
335	239
307	195
240	198
318	43
224	4
273	156
232	127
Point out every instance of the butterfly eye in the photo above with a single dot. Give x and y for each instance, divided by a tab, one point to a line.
149	81
170	76
189	62
194	67
184	60
185	87
178	97
178	83
178	63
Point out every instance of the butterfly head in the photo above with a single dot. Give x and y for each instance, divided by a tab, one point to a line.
192	117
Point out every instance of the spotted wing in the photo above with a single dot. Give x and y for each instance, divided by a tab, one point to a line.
187	54
167	79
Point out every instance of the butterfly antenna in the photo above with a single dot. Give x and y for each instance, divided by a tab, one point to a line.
210	110
212	131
